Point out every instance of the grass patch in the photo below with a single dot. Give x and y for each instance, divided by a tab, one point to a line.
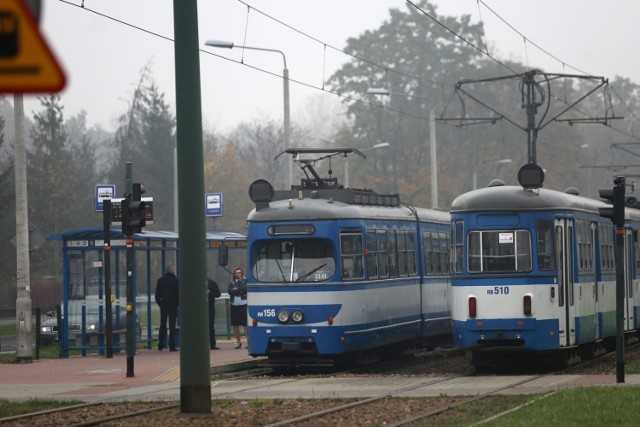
10	408
633	367
585	406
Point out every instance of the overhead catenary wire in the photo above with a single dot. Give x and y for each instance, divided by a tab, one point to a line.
387	69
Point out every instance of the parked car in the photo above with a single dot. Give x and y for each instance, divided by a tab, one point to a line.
49	327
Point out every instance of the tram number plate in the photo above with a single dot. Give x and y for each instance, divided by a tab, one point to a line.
498	290
290	346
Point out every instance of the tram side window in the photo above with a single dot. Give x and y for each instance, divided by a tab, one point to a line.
351	255
458	247
383	249
411	254
402	252
499	251
585	246
443	252
392	254
426	244
606	247
544	232
372	254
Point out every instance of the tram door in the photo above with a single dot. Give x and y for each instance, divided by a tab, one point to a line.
564	237
628	280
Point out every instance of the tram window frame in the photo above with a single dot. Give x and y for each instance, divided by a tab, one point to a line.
478	262
429	268
392	255
457	247
412	269
401	250
445	242
372	254
607	259
585	246
383	250
351	255
545	245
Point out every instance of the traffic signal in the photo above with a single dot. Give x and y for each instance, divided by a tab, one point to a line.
133	211
614	196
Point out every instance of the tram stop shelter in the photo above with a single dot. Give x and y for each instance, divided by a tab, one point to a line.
82	310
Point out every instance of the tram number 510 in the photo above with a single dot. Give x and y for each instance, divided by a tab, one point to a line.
498	290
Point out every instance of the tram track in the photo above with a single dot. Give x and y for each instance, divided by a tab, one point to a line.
400	407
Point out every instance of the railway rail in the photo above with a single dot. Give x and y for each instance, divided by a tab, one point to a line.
401	406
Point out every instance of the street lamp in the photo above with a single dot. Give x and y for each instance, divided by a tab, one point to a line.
346	163
285	77
432	140
475	169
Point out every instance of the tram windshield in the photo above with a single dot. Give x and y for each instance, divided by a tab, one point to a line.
302	260
499	251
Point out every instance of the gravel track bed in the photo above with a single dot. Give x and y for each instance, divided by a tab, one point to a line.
264	412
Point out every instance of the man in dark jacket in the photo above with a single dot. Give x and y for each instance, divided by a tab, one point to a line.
168	299
213	291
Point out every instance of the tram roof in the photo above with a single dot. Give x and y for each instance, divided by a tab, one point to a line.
323	209
98	233
515	198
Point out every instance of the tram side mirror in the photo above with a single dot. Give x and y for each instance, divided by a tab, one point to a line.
223	255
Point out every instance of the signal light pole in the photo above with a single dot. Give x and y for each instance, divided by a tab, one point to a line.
616	214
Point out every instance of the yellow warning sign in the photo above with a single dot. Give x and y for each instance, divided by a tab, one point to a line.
26	63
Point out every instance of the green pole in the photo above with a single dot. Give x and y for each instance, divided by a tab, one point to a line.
195	382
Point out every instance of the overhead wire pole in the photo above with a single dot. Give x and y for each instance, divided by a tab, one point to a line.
23	300
532	109
285	81
24	332
195	382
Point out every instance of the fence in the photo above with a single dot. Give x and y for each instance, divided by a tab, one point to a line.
89	340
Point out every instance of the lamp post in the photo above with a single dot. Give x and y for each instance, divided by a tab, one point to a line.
346	163
475	169
432	140
285	77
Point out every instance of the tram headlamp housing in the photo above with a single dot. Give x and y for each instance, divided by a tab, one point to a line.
297	316
283	316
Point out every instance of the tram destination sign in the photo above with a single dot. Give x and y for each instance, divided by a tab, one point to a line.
116	210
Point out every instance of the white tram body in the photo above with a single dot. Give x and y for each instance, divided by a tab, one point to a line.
336	273
534	270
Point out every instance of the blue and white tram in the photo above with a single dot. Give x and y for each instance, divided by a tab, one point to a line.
534	271
338	274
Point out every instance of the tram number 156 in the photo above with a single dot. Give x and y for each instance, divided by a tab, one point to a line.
267	312
498	290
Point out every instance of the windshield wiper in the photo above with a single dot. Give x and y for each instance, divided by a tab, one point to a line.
300	279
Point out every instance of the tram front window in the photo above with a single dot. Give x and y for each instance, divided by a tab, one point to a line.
303	260
499	251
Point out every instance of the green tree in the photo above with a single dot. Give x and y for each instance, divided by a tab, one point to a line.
146	138
58	196
418	61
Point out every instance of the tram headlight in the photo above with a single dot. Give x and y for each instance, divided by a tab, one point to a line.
283	316
297	316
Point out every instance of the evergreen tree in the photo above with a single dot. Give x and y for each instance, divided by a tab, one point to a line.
51	183
146	138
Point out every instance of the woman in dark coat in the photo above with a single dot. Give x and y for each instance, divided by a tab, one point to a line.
238	298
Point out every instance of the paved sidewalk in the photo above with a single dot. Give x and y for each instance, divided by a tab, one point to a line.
96	377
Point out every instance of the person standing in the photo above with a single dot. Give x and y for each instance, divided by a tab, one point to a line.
238	295
168	299
213	292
